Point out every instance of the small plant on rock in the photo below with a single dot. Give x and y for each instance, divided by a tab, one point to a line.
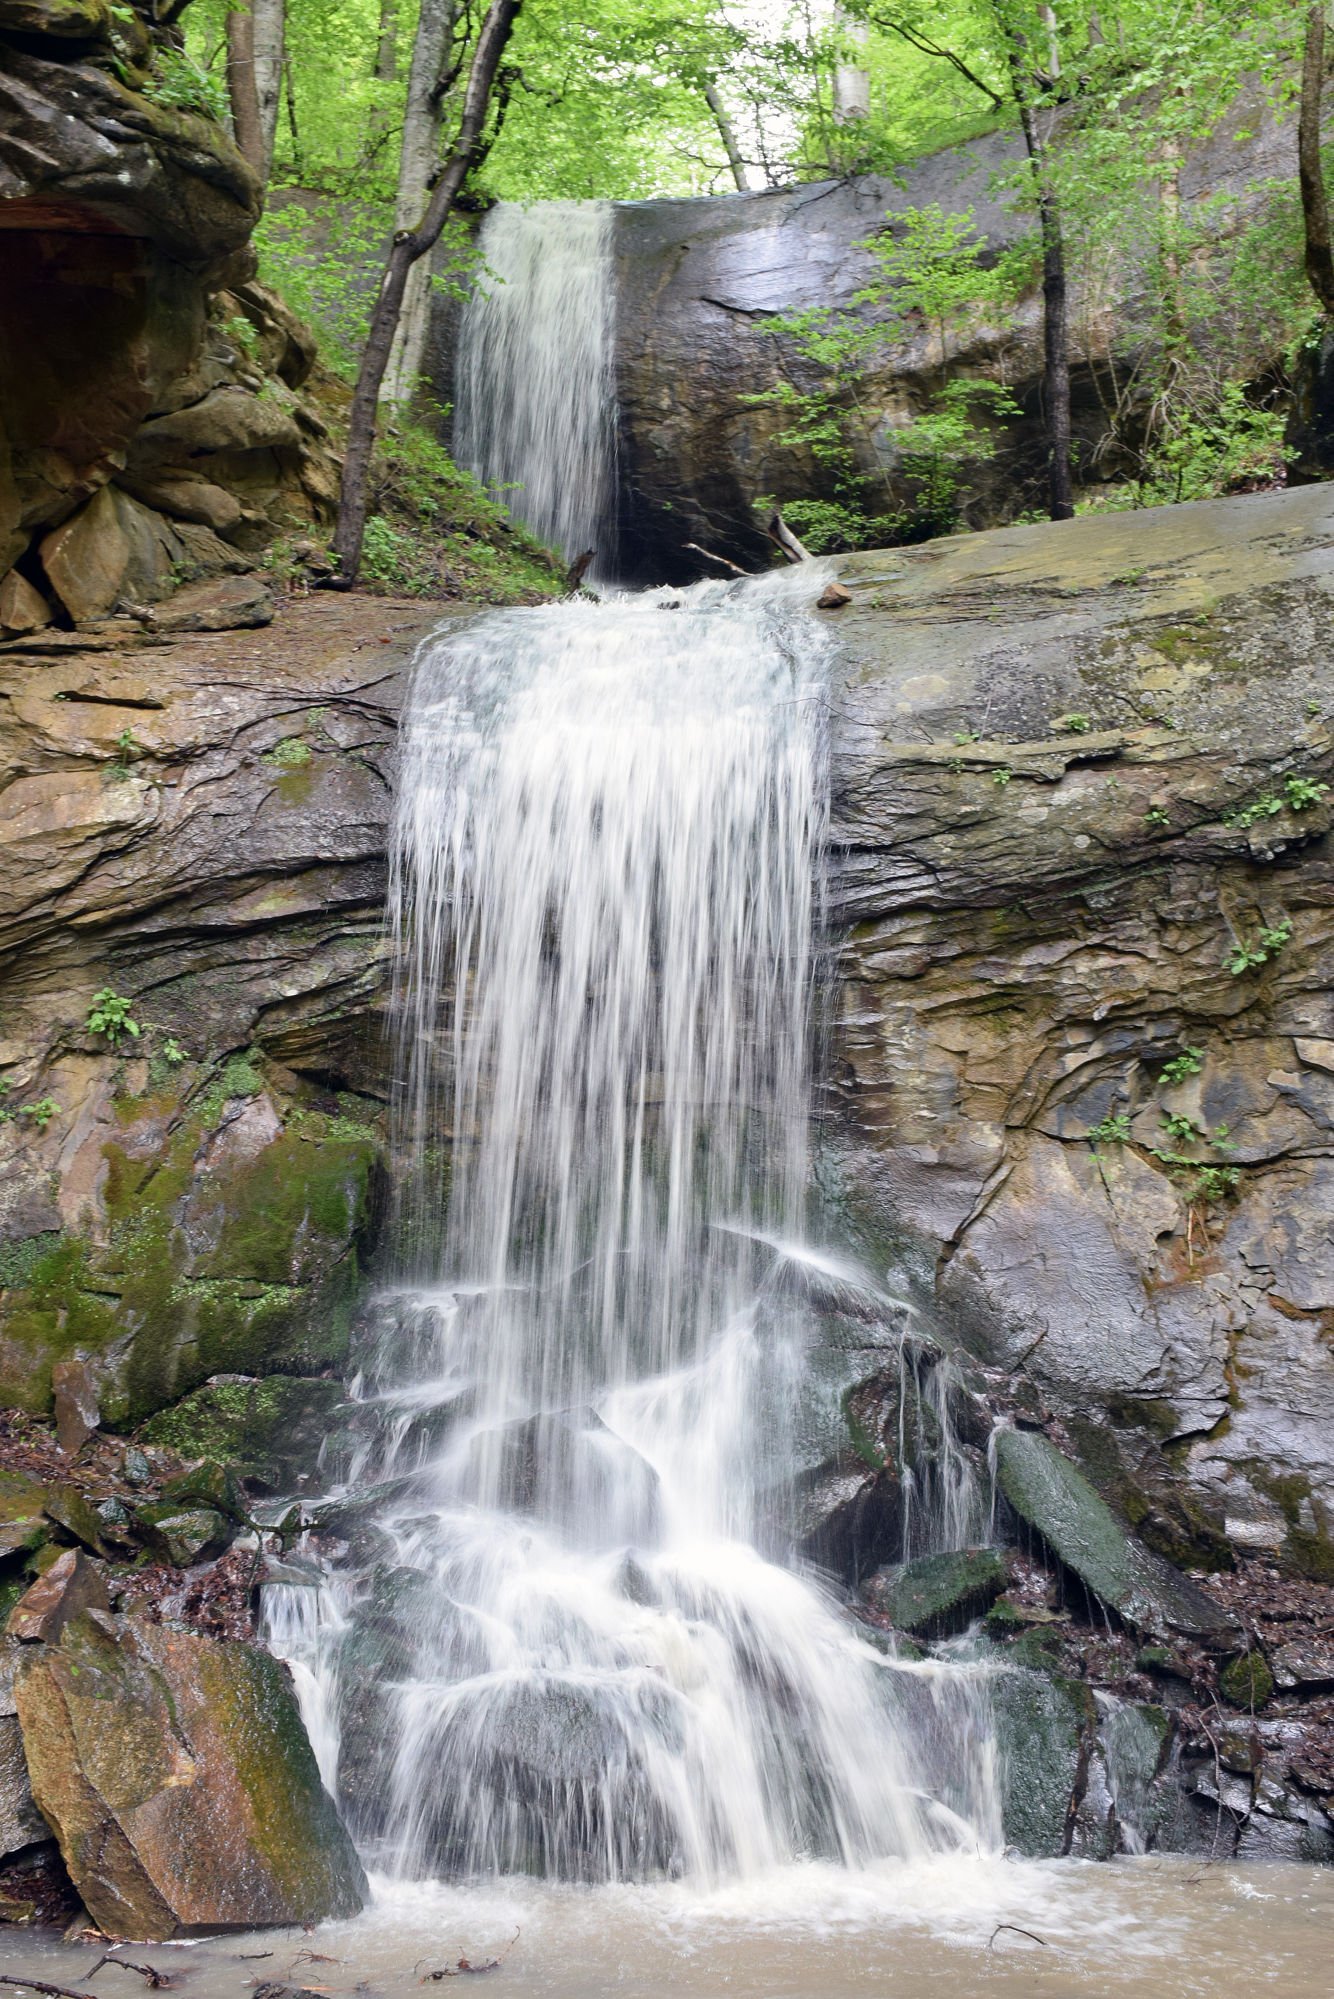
1187	1063
1002	776
1073	725
1114	1129
1302	793
1249	957
41	1112
290	754
1155	816
173	1052
109	1016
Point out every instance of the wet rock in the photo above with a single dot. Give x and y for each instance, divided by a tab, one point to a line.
1043	1728
1306	1664
182	1534
56	20
848	1517
136	1736
21	1824
938	1595
77	1410
1053	1497
267	1429
72	1585
210	1483
67	1508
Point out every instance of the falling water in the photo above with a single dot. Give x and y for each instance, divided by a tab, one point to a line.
563	1633
566	1648
535	395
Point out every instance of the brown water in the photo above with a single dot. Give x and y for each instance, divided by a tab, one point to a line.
1139	1928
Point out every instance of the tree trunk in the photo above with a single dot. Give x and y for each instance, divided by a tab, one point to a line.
852	80
269	32
727	133
386	46
1310	173
241	92
1055	298
422	115
410	246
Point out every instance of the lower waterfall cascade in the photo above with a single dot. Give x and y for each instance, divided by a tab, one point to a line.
567	1641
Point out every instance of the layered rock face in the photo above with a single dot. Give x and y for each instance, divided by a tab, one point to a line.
200	830
150	430
1084	1044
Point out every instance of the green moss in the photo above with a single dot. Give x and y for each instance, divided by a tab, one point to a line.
18	1260
267	1429
1246	1681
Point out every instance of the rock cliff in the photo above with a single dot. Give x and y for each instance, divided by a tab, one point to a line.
1084	1054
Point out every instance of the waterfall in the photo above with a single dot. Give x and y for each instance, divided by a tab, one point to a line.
562	1630
563	1643
534	393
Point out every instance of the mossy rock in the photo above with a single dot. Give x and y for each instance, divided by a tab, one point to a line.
1042	1727
938	1595
268	1431
1246	1681
242	1261
1052	1496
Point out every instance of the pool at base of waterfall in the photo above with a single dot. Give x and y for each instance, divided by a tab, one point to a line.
971	1929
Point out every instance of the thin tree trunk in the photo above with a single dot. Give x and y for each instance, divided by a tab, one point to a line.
1055	298
290	95
1310	173
270	30
727	133
852	79
386	46
410	246
242	95
423	111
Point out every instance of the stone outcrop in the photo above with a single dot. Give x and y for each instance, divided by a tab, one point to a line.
180	1782
150	427
209	842
1082	788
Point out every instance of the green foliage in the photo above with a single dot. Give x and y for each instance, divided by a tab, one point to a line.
1072	725
1249	957
41	1112
1155	816
1114	1129
1188	1063
109	1016
290	753
1301	793
178	81
434	532
1002	776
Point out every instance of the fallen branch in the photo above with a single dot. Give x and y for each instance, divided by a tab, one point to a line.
721	560
1018	1932
578	569
778	531
48	1991
465	1968
157	1979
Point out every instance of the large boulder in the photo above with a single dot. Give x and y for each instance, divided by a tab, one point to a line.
137	1737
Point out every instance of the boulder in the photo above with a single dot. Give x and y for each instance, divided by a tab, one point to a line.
136	1737
21	1824
225	604
181	1534
22	609
848	1517
269	1430
1306	1664
189	500
56	20
77	1411
938	1595
72	1585
1053	1497
1044	1729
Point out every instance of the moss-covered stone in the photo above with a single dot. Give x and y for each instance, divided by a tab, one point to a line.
267	1430
938	1595
136	1737
232	1250
1246	1681
1042	1730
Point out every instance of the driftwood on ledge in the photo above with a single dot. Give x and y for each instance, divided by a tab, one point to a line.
778	531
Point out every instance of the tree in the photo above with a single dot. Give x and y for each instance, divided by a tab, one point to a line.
423	117
255	35
409	247
1315	206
